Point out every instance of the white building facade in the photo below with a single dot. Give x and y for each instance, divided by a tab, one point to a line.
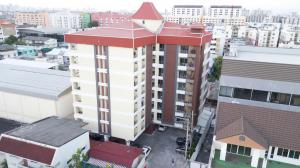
66	20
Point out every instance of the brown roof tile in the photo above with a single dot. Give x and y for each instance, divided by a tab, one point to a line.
242	127
280	128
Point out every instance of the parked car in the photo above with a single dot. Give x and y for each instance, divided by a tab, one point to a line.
162	128
146	150
180	149
181	141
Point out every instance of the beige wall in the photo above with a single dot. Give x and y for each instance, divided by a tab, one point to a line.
29	109
39	19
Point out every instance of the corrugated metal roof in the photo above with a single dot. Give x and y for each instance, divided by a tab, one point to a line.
43	83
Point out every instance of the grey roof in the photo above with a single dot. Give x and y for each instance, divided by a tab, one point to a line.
51	131
268	55
47	30
188	6
44	83
6	47
36	38
225	6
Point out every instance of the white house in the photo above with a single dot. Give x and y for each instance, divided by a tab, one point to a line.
50	142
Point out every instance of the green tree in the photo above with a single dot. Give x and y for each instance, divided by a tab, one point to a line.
215	72
93	24
77	159
11	40
4	164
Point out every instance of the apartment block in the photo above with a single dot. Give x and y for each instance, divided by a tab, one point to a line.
258	107
32	18
289	36
224	15
130	75
65	20
185	14
268	35
6	29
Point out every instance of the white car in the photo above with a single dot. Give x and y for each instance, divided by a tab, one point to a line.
146	150
162	128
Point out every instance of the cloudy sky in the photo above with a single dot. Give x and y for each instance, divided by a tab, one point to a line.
277	6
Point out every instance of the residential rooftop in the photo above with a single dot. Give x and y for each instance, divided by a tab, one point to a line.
6	47
36	38
51	131
26	63
36	82
268	55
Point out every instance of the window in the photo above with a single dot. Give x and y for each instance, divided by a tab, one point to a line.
241	150
242	93
180	97
161	47
180	108
181	86
226	91
288	153
280	98
158	116
258	95
161	60
183	61
295	100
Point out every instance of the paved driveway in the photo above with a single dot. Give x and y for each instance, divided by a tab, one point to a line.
163	146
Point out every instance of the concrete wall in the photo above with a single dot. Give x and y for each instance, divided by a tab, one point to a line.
25	108
64	105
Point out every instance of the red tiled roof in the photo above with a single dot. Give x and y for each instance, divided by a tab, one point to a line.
114	153
27	150
147	11
127	34
177	34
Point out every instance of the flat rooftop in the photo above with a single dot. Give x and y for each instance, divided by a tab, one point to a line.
268	55
51	131
36	82
27	63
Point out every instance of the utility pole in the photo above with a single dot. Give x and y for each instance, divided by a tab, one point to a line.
187	136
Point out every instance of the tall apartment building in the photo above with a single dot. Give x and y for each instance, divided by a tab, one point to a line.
108	18
224	15
268	35
65	20
130	75
32	18
186	14
259	107
289	36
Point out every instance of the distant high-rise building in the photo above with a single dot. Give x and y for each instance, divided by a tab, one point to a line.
224	15
186	14
32	18
66	20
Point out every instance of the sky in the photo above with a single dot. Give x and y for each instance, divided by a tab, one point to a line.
277	6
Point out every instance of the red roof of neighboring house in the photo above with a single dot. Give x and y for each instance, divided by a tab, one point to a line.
127	34
147	11
114	153
27	150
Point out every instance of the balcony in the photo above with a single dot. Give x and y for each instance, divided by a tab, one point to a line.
135	120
